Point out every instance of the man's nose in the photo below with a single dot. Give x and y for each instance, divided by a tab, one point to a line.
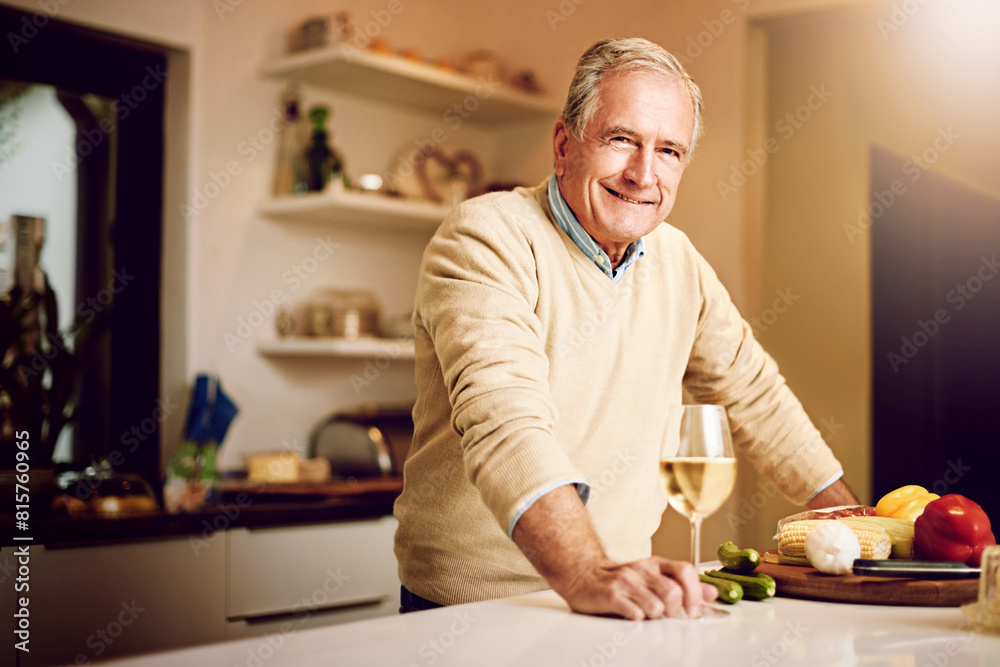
641	168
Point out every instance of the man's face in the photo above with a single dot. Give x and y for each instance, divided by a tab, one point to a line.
622	179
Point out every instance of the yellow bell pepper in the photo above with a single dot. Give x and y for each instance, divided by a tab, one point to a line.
906	502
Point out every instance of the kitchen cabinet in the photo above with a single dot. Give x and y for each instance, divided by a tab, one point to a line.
94	602
109	600
416	88
280	580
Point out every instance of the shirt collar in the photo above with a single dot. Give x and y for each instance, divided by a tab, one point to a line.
567	222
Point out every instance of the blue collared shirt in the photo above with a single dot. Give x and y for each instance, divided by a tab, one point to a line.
568	223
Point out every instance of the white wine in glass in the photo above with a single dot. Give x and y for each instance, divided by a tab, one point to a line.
697	466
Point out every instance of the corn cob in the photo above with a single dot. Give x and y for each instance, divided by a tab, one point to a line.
875	543
900	532
779	559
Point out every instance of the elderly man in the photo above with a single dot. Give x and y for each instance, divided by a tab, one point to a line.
554	327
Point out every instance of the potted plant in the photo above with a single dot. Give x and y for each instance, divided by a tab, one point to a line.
39	375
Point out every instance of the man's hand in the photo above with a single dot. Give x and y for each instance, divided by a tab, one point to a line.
556	535
649	588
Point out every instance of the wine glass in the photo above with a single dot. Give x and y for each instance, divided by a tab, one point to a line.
697	466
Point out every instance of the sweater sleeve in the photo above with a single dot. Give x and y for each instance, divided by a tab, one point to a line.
729	367
476	300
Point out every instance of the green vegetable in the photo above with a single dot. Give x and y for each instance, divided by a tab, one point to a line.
729	591
755	587
737	561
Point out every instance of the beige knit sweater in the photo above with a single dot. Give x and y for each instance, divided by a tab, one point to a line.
534	369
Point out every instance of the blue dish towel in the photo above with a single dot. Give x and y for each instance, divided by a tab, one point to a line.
211	411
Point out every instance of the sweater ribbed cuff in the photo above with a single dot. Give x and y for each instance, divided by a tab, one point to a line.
802	475
582	488
531	465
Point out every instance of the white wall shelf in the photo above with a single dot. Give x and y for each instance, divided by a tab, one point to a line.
412	84
414	87
351	208
305	346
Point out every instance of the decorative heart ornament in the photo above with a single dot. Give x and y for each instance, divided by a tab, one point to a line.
450	180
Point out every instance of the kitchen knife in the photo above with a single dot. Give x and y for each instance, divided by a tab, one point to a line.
914	569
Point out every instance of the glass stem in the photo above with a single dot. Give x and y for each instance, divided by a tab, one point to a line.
695	539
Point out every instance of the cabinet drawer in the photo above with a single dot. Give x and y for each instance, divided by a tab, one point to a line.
101	601
299	570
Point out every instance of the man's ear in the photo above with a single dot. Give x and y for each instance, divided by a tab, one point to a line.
560	137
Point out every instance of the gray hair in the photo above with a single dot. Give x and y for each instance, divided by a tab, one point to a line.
615	56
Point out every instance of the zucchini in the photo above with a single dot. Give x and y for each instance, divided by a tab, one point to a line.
755	587
730	592
736	560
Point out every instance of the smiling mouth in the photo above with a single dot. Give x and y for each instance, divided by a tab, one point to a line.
624	198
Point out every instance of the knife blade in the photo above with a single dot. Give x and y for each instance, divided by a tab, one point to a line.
914	569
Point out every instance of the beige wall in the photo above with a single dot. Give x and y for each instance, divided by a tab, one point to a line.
921	90
227	257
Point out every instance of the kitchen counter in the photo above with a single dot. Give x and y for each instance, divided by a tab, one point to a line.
263	507
539	629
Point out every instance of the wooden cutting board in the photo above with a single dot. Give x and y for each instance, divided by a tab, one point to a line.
807	583
330	488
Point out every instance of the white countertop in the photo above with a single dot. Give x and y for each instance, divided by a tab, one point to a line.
539	629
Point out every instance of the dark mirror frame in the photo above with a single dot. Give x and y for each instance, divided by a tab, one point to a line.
39	49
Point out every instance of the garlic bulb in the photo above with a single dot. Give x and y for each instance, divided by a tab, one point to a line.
831	547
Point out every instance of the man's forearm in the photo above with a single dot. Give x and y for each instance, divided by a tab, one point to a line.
557	537
834	495
555	534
